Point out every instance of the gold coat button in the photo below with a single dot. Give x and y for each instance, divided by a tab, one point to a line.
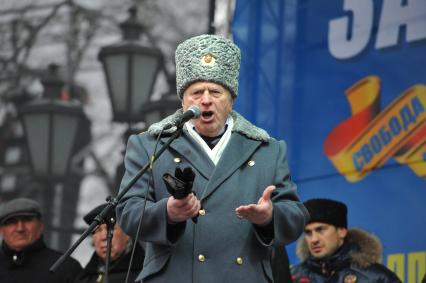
177	160
251	163
201	258
202	212
239	260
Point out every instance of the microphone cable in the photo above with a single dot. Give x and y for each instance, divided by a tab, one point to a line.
150	181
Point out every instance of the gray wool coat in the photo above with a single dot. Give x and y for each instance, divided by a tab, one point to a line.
220	247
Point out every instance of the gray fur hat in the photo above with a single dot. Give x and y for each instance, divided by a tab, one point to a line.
210	58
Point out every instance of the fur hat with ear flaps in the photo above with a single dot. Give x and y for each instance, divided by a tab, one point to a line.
209	58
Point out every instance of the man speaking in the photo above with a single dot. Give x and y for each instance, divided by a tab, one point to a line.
239	196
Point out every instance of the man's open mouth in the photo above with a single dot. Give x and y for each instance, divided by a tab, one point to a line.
207	114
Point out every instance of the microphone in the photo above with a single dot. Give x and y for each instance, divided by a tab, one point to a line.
193	112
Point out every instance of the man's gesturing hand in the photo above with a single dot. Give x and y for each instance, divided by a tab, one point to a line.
179	210
260	213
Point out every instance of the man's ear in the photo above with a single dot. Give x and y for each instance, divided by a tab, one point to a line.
181	100
41	226
342	232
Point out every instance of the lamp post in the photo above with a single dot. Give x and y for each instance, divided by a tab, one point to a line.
130	71
52	127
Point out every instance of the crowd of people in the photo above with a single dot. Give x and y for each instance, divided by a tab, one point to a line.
236	210
329	251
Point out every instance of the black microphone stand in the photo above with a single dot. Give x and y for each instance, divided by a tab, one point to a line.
113	201
110	223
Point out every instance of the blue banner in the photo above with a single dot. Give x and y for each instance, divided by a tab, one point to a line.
344	83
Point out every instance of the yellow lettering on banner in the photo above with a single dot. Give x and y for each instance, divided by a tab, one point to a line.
396	263
416	266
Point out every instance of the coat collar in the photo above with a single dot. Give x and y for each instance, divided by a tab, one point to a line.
366	248
241	125
20	258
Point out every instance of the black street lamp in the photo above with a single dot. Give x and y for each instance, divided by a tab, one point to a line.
130	71
55	129
51	126
51	129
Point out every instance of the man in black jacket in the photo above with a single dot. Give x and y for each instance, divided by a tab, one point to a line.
120	253
332	253
24	257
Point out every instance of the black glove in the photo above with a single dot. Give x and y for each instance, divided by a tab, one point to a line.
180	185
